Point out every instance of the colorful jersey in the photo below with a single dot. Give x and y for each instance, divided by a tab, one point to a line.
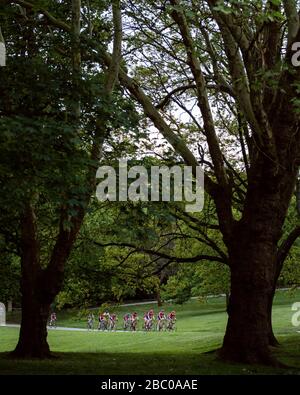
151	314
161	315
148	316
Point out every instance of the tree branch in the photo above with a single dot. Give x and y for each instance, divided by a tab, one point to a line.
180	89
243	69
193	61
113	71
286	245
148	251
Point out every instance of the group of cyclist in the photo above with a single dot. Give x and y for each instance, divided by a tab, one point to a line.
107	321
162	321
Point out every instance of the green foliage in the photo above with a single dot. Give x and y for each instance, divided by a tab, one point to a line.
178	290
290	275
212	278
45	151
199	279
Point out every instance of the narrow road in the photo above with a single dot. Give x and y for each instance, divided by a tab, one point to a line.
62	328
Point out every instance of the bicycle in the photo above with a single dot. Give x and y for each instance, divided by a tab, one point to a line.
52	323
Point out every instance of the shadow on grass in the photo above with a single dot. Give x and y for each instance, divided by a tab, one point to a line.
137	363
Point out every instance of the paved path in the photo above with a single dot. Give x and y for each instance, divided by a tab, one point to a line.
62	328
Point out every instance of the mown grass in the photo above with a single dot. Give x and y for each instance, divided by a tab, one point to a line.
200	329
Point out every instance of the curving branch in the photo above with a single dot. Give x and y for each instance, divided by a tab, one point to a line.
180	89
191	259
286	245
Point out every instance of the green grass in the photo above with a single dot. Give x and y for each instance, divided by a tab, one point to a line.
200	329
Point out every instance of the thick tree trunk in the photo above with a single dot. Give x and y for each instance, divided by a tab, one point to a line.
254	274
33	333
247	335
253	255
39	288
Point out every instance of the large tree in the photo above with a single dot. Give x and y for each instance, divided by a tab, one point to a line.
56	112
240	55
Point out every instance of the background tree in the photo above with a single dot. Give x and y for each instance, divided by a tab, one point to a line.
55	114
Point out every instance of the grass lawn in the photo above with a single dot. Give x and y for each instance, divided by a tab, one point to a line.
200	329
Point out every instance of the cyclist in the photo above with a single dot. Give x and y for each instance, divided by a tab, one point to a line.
134	321
161	317
106	314
90	321
113	321
53	319
102	321
126	321
172	315
171	320
148	318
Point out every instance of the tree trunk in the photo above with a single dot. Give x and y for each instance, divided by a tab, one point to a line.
253	255
159	301
253	258
33	333
247	334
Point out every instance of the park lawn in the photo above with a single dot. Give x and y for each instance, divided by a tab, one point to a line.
200	329
138	353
